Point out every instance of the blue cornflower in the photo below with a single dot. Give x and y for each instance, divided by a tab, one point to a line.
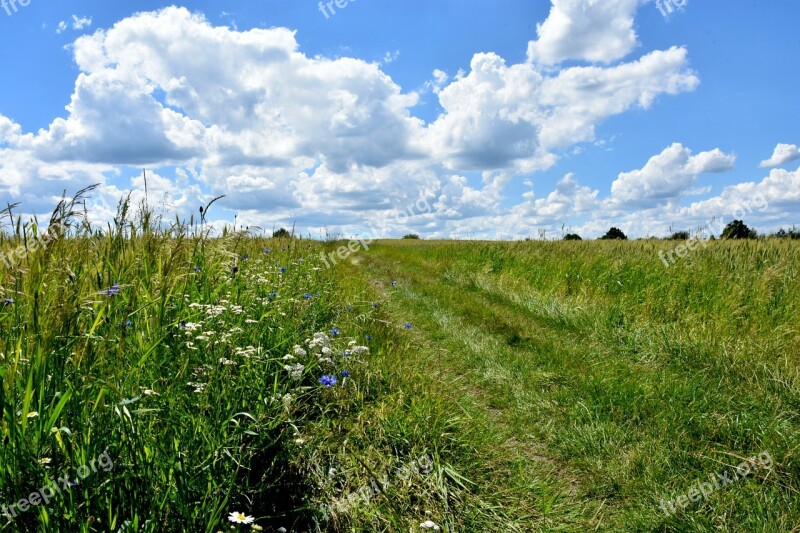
7	301
329	380
308	296
408	325
267	250
376	305
283	269
345	374
111	291
245	256
335	332
273	294
182	324
126	324
394	284
369	338
197	269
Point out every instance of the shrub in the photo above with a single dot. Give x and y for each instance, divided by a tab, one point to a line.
572	237
736	229
614	233
282	233
679	236
411	236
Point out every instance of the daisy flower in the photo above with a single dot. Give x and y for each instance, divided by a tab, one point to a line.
240	518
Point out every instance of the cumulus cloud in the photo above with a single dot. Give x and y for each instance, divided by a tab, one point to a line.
668	175
500	116
598	31
79	23
290	138
783	154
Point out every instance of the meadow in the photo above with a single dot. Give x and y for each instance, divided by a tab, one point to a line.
157	378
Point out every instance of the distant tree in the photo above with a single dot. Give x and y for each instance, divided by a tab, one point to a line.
679	236
281	233
614	233
781	234
736	229
572	237
411	236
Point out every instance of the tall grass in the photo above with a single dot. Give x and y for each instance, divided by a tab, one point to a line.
163	348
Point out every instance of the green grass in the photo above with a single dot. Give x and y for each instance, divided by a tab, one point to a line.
540	387
618	382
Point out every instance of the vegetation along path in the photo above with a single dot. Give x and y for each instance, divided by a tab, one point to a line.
604	391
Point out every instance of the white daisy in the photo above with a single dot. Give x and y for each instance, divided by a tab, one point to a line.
240	518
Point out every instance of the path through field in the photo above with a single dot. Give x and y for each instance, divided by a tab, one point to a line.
606	417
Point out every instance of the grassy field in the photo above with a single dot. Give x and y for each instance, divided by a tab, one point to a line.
607	385
161	380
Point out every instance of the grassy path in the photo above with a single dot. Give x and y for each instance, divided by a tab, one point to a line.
593	422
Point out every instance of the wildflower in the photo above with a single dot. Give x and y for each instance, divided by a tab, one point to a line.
149	392
408	325
45	461
7	301
126	324
308	296
226	362
347	353
335	332
376	305
235	269
267	250
429	525
240	518
295	371
299	352
369	338
197	269
111	291
33	414
245	257
273	294
329	380
345	374
394	284
283	269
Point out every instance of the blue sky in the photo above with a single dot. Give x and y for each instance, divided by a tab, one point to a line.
481	118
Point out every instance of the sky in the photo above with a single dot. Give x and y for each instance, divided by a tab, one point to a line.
491	119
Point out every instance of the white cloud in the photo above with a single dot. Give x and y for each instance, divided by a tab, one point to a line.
667	176
598	31
62	25
501	116
319	142
79	23
783	154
